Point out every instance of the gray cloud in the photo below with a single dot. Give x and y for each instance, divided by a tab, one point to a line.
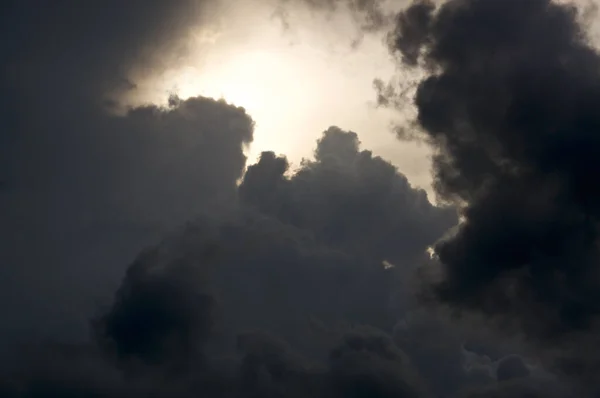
85	190
183	321
276	288
520	388
514	153
508	105
350	199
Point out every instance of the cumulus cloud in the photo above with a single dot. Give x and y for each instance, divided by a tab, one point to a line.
349	199
226	306
271	276
119	185
511	367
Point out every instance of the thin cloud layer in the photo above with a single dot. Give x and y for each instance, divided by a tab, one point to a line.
369	15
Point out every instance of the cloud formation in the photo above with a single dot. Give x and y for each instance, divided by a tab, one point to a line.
508	106
369	15
86	189
200	313
507	103
286	285
349	199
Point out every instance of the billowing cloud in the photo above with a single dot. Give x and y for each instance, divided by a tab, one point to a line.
86	189
349	199
242	289
509	108
285	285
271	276
114	185
226	306
68	49
507	103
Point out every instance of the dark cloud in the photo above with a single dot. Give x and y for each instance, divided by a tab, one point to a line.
102	195
349	199
508	105
159	315
411	32
509	108
283	287
518	389
224	306
85	189
451	355
511	367
369	364
63	49
275	277
184	322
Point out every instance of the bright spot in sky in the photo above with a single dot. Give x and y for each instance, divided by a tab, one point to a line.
267	83
247	81
295	84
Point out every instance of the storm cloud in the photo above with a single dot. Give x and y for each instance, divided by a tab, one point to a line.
508	104
86	189
225	307
509	107
271	281
350	199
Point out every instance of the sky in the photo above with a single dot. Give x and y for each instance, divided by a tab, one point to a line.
293	198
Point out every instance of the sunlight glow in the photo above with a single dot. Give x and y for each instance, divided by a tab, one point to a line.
294	85
245	81
263	82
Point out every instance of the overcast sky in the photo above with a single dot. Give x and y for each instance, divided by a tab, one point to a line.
299	198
